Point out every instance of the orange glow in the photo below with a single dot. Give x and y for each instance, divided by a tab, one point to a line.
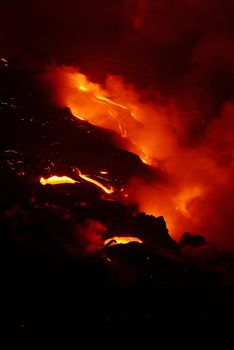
57	180
108	190
185	197
113	114
192	173
121	240
90	102
104	172
179	206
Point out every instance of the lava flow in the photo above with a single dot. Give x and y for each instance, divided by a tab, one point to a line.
108	190
121	240
192	170
114	113
57	180
90	102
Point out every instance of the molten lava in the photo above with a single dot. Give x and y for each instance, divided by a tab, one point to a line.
57	180
121	240
90	102
193	170
108	190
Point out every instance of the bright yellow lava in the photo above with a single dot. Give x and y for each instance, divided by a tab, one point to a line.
98	184
57	180
108	190
122	240
83	88
103	98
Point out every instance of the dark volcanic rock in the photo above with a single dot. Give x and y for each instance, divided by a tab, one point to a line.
153	229
192	240
52	287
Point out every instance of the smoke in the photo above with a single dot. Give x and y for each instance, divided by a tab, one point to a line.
176	63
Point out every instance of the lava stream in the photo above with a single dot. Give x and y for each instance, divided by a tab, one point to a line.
57	180
121	240
108	190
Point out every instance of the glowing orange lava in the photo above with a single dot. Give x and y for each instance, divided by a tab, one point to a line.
99	106
108	190
192	173
57	180
121	240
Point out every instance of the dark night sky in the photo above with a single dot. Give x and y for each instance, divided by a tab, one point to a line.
160	40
